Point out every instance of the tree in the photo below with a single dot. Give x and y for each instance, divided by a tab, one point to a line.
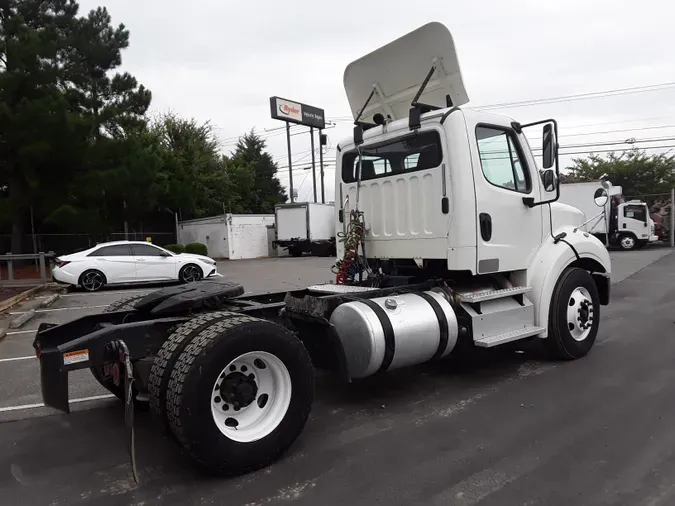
635	171
60	110
195	177
37	128
111	104
267	190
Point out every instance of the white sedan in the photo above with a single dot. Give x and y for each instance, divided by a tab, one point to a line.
124	262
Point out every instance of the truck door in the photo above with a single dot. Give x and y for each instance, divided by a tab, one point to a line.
508	232
633	219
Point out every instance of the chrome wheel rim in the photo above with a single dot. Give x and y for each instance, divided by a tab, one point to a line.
628	242
251	396
580	314
191	273
92	281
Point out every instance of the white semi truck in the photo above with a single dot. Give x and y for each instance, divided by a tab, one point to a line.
622	223
448	239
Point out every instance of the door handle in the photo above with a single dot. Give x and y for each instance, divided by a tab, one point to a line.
485	221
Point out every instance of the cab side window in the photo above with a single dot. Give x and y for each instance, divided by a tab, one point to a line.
501	159
636	212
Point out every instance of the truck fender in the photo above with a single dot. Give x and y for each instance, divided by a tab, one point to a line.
565	248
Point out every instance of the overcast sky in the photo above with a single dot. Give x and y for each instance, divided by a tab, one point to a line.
221	60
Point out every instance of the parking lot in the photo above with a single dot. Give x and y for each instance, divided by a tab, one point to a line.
506	427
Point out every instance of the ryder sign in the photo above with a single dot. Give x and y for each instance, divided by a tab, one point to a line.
295	112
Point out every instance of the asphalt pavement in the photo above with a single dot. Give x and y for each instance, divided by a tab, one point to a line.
500	428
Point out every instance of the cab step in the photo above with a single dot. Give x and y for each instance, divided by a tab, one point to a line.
506	337
475	297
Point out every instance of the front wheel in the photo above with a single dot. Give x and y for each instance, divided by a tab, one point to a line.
239	394
574	315
627	242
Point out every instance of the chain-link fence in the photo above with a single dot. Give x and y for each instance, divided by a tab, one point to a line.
661	210
69	243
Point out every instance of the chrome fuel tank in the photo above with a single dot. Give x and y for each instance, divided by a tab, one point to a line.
395	331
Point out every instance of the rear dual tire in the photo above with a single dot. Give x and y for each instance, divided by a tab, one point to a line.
235	391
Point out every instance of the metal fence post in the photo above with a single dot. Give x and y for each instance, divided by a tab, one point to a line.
10	269
43	271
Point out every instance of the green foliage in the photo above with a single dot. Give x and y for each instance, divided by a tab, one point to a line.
266	190
77	151
196	248
175	248
635	171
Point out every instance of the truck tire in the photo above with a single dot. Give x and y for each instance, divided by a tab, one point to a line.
574	315
123	304
627	242
164	362
239	394
295	252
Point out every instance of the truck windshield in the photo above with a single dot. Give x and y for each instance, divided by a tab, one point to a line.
636	212
413	152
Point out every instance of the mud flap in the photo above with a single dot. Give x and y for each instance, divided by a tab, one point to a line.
125	359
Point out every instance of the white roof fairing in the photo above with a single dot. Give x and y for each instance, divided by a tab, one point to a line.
397	70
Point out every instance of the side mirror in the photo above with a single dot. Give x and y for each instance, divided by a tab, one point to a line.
358	135
549	180
549	146
600	197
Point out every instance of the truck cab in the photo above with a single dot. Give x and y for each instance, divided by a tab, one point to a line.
445	189
634	225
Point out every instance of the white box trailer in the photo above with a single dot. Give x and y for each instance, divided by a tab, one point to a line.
626	224
305	227
233	236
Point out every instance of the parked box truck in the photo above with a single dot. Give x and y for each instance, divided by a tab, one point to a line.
305	227
626	224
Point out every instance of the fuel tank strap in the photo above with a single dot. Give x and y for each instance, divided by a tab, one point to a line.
442	324
389	339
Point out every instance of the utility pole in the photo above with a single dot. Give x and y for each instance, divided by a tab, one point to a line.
311	134
322	142
290	162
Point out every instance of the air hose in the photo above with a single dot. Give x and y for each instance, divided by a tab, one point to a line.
347	268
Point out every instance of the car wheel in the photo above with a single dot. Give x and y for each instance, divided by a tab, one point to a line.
92	280
190	273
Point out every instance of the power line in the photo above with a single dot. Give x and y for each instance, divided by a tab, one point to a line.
563	98
580	96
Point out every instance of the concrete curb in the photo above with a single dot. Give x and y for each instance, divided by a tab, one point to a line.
21	319
50	300
12	301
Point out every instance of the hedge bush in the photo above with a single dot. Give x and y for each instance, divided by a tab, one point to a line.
196	248
175	248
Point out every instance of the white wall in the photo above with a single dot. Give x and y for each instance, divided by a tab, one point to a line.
210	231
248	235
